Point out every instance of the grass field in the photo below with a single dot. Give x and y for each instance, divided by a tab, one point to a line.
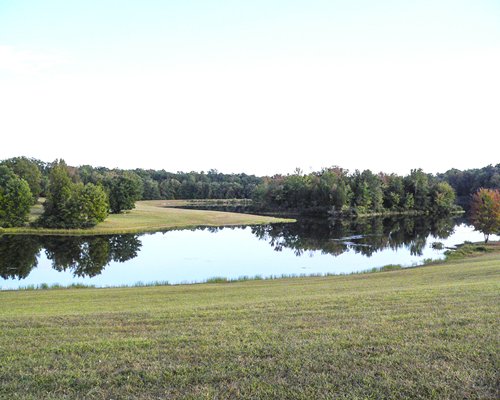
151	216
420	333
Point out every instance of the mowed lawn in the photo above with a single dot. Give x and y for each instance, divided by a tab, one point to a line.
151	216
421	333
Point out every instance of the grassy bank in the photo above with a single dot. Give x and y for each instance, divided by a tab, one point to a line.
151	216
428	333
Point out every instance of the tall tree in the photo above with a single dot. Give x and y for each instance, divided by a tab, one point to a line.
57	207
417	183
15	199
485	211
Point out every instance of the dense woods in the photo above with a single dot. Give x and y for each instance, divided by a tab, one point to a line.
336	192
467	182
156	185
83	196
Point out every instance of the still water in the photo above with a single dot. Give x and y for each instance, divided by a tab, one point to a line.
186	256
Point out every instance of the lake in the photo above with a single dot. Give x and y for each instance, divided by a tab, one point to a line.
310	246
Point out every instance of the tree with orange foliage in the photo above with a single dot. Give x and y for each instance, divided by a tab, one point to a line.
485	212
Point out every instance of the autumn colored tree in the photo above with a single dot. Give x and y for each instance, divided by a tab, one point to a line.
485	212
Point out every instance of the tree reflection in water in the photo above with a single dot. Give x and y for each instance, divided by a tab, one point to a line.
84	256
365	236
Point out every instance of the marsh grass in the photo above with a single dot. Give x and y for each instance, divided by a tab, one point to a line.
418	333
469	249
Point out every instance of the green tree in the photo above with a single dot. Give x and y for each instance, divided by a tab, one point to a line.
151	189
169	188
123	190
59	203
443	197
368	194
92	205
15	199
72	205
393	190
29	171
417	183
485	212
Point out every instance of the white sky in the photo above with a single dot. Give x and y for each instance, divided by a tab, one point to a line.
393	95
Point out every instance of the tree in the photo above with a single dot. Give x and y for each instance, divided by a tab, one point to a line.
443	197
29	171
57	208
393	190
485	212
151	189
72	205
169	188
368	194
123	190
417	183
15	199
91	202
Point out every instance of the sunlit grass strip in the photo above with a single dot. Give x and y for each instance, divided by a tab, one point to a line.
154	216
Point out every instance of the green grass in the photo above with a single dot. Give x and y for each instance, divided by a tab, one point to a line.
422	333
470	249
152	216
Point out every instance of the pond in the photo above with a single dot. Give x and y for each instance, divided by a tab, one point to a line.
310	246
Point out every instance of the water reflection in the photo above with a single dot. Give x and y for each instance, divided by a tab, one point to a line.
18	255
364	236
84	256
168	256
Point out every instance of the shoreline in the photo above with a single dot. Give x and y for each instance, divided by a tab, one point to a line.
462	251
151	216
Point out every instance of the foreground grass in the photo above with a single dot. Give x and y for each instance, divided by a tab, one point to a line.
426	333
152	216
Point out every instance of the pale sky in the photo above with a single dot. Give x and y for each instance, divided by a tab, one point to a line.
257	86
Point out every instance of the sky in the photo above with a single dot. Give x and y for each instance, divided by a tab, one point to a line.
261	86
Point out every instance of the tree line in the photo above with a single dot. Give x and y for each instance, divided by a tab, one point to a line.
467	182
337	192
153	184
83	196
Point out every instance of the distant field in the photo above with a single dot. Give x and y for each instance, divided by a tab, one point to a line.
421	333
155	215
